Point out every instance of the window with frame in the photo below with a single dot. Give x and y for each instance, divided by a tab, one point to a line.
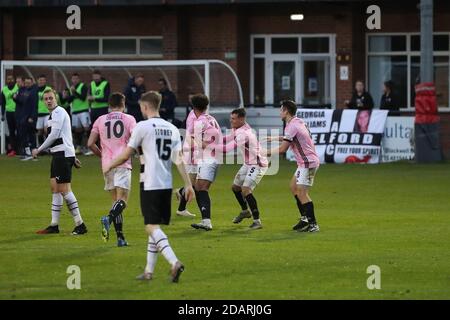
150	47
396	57
266	49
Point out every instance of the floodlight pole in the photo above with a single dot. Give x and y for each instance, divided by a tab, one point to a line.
426	41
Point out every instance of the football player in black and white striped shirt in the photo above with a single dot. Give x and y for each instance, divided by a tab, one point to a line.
159	144
59	141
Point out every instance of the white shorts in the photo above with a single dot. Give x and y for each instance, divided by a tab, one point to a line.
191	168
249	176
42	122
207	171
118	178
81	120
305	176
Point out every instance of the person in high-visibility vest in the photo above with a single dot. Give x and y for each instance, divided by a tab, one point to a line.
63	102
98	95
81	121
8	110
42	111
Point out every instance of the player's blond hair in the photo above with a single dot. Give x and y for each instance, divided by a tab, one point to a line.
152	98
48	90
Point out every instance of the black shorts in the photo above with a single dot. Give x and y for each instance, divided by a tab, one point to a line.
156	206
61	168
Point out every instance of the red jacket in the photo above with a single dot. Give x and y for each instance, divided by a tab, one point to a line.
426	104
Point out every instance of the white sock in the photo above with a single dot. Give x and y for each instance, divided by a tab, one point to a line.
72	204
257	220
152	256
207	222
57	203
162	243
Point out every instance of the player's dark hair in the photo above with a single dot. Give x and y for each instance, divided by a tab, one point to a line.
240	112
362	82
163	81
75	74
290	106
116	100
389	84
153	98
42	76
96	71
28	78
200	102
139	75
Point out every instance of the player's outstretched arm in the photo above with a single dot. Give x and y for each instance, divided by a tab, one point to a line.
281	149
272	138
120	159
188	190
92	144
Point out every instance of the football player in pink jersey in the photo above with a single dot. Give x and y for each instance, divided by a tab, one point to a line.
114	130
298	137
207	139
254	167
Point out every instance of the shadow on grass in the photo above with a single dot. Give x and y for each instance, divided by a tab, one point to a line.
78	254
25	238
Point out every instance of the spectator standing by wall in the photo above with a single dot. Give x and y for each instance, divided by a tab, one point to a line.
81	121
389	100
168	103
133	92
361	99
26	117
42	111
8	112
98	95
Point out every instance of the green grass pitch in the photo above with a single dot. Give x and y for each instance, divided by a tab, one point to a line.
395	216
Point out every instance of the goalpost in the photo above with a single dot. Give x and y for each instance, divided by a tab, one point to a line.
215	78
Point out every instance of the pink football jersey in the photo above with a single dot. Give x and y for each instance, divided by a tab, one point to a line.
246	139
302	145
188	150
114	130
207	130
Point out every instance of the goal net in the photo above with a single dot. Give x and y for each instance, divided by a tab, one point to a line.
214	78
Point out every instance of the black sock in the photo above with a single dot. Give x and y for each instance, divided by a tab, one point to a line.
118	225
300	207
183	202
116	210
253	205
84	139
78	138
309	212
240	199
204	203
